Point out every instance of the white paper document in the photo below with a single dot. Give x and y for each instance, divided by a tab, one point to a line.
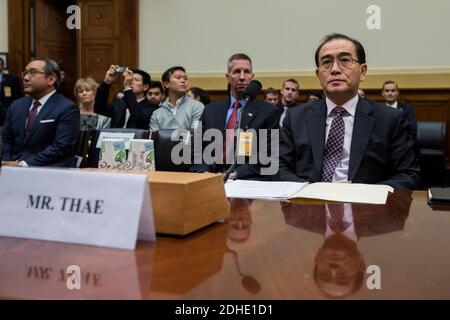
262	189
342	192
346	192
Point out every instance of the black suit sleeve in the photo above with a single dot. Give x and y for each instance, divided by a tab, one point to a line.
287	152
101	105
140	113
7	138
249	171
405	165
409	113
66	137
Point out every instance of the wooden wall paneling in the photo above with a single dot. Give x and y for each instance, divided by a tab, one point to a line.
97	56
108	36
19	51
100	19
54	40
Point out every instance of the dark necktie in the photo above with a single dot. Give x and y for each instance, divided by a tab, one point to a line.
334	145
231	126
336	222
32	114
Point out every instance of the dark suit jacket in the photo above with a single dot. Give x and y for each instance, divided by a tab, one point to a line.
13	84
140	113
52	138
381	149
257	115
369	220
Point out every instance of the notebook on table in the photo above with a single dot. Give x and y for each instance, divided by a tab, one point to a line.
439	196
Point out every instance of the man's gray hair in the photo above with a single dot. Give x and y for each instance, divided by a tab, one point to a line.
237	56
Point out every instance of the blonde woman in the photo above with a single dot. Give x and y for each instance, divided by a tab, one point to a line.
85	91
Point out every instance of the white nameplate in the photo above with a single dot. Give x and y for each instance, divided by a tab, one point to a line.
126	136
93	208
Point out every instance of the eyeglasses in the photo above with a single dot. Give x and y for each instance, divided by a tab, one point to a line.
343	62
31	72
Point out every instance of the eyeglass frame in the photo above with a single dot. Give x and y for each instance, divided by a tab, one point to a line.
333	60
32	73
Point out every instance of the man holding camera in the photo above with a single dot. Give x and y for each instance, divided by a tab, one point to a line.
134	110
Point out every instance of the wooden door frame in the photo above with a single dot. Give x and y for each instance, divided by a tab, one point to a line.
19	35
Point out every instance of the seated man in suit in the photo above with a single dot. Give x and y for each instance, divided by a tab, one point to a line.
345	138
390	94
133	110
9	91
224	115
42	128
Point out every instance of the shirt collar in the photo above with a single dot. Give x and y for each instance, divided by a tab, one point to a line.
349	106
179	101
45	98
394	105
233	99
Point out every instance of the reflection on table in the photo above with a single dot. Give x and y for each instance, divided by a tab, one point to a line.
265	250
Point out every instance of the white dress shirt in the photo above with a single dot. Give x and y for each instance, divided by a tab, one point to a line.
42	101
341	172
394	105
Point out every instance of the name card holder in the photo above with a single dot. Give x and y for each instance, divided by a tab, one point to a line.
92	208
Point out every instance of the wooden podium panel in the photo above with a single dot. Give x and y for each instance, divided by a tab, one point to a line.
184	202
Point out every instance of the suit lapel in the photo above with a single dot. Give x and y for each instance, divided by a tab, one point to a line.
362	129
221	115
316	130
46	109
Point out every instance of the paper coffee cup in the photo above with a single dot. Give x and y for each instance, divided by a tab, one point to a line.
141	155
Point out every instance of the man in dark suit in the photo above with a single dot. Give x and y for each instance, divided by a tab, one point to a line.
390	94
9	91
345	138
42	128
224	115
133	110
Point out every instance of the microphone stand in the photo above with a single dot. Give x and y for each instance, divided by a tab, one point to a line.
226	174
248	282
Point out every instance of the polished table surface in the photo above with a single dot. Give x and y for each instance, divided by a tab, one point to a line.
265	250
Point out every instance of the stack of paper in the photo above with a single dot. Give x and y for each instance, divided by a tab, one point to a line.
248	189
342	192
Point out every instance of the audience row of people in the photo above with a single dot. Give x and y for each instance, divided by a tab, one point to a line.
340	137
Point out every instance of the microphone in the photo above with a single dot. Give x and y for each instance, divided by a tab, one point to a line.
252	90
250	94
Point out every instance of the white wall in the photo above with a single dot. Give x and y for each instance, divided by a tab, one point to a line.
3	25
281	36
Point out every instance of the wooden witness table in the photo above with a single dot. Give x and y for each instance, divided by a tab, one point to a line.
268	250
